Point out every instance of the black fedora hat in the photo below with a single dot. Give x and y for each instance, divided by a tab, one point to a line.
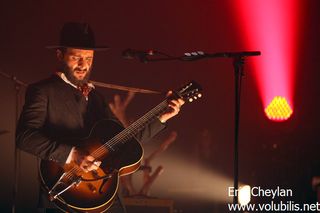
79	36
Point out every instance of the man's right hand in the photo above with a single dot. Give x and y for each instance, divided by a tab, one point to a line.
86	162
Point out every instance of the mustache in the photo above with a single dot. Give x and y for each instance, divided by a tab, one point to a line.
80	69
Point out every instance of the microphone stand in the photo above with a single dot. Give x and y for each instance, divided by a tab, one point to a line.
238	64
16	159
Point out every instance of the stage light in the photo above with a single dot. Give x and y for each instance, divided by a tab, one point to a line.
278	109
244	195
272	28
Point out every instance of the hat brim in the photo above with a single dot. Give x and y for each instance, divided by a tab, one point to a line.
97	48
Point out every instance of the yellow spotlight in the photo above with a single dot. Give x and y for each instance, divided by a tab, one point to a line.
278	109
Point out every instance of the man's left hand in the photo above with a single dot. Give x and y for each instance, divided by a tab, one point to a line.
174	106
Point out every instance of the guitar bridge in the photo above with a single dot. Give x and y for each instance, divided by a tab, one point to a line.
61	186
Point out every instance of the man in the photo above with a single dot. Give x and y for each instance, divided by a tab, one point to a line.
67	105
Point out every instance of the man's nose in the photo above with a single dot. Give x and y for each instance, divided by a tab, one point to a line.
82	63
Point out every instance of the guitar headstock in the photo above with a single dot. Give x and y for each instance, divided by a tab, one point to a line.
189	92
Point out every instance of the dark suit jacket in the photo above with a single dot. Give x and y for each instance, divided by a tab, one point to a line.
55	110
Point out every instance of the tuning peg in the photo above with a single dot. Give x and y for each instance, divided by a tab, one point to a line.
199	95
190	99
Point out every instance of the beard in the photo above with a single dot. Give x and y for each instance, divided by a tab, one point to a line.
69	73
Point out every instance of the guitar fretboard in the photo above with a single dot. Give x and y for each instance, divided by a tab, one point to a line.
131	131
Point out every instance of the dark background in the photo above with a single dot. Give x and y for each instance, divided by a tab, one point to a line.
271	154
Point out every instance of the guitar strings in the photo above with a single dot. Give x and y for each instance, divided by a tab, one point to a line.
131	130
123	135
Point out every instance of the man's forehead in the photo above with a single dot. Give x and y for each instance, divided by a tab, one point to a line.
75	51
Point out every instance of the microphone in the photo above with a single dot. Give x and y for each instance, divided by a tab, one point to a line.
140	54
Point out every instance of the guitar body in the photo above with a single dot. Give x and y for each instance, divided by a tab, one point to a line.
96	190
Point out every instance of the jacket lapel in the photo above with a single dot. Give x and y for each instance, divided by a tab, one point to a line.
69	98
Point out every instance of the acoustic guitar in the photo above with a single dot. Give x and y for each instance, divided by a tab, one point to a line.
73	190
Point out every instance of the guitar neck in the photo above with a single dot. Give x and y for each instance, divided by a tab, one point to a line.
139	124
135	127
188	92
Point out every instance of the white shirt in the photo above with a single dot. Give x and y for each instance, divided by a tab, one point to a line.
64	78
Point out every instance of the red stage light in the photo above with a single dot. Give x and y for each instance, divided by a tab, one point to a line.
278	109
271	27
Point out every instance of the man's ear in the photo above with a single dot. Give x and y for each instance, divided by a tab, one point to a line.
59	54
